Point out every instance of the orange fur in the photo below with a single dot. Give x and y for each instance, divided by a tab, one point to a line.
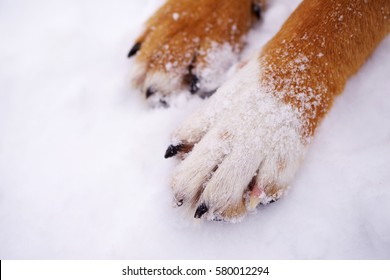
180	33
318	48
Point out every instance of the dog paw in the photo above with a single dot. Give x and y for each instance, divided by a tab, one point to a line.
240	150
190	45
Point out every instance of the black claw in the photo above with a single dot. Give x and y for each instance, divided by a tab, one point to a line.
256	9
173	150
179	202
149	92
164	103
207	94
134	49
191	79
200	211
194	83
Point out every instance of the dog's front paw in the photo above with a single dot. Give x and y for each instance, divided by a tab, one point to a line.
189	45
241	149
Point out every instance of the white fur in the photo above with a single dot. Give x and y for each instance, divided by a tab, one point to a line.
163	82
245	130
138	73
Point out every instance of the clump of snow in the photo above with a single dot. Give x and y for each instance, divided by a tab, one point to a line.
219	58
168	66
82	173
175	16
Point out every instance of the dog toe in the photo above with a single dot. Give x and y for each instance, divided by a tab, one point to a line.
193	173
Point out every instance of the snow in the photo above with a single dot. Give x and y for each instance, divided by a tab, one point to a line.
175	16
82	173
219	58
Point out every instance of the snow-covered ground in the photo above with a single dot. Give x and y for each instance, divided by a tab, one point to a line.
82	173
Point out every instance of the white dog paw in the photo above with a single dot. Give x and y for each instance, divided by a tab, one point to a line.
241	149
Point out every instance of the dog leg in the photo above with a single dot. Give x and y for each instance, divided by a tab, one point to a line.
250	138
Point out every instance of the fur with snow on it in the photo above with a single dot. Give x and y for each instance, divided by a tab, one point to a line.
247	132
82	173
